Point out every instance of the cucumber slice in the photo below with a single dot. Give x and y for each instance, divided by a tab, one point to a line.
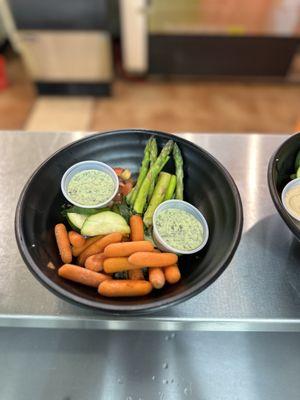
76	220
104	223
84	211
298	172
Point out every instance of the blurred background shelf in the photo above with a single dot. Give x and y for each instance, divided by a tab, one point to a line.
196	66
66	46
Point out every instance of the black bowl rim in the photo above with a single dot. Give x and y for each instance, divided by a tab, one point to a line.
156	305
276	198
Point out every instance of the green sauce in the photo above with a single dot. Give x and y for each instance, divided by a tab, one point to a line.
91	187
179	229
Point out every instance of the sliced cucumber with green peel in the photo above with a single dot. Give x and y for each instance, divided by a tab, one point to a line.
76	220
104	223
84	211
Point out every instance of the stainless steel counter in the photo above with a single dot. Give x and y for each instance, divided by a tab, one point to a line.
260	290
105	365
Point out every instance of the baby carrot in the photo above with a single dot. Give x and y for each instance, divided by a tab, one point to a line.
77	250
152	259
137	234
172	274
76	239
124	288
95	262
99	246
157	277
136	228
116	264
82	275
63	243
125	249
136	274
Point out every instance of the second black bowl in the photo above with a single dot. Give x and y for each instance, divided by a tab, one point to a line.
207	185
281	166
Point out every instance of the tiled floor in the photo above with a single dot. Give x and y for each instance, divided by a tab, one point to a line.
170	106
199	106
60	113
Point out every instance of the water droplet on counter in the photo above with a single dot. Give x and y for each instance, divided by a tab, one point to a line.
120	381
153	378
173	335
129	398
187	390
165	365
165	381
167	337
161	395
172	380
33	245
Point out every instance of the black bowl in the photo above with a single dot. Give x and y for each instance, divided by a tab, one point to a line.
207	185
281	166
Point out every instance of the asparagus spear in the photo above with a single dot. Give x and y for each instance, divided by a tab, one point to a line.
161	168
153	157
179	171
140	201
142	174
158	197
171	188
297	161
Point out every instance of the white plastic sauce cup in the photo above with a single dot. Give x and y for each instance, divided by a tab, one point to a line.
289	186
181	205
85	166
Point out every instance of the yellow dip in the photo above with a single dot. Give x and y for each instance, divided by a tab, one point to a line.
292	200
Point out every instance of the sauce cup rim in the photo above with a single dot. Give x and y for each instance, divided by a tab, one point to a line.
99	166
200	217
289	185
